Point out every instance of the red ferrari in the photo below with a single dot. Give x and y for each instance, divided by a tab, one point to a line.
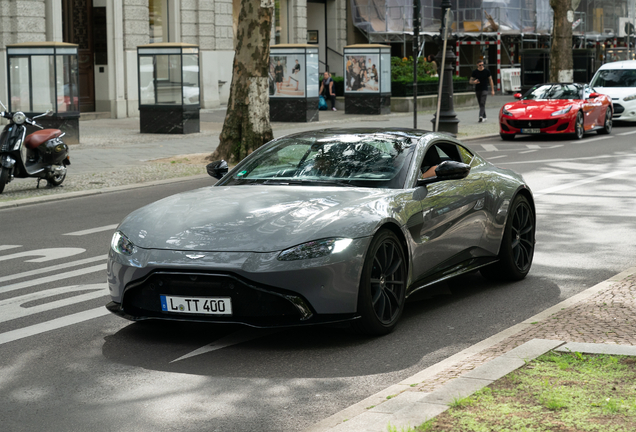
556	109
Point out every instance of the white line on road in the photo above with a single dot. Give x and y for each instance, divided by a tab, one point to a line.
527	151
533	146
52	268
589	140
57	323
572	159
48	279
489	147
496	157
231	339
47	254
6	247
626	133
92	230
578	183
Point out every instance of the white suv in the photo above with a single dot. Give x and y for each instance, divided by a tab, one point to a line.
618	81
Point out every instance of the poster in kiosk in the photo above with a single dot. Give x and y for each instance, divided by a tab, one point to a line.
44	76
169	88
367	73
293	83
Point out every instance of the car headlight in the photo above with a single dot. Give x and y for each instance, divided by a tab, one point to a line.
563	111
630	98
19	118
315	249
504	111
121	244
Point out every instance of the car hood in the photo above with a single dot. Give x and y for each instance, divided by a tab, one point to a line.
256	218
537	109
616	92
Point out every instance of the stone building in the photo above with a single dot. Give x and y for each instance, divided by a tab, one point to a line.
109	31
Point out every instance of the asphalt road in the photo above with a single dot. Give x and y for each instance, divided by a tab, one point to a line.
67	365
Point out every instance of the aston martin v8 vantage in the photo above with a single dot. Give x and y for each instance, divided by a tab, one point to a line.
323	226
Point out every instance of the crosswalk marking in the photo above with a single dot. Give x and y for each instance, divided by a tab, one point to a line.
54	324
47	254
489	147
7	247
48	279
92	230
578	183
52	268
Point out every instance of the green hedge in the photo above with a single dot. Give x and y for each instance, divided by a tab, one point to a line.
402	79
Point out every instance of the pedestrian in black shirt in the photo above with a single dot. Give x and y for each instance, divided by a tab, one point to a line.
481	77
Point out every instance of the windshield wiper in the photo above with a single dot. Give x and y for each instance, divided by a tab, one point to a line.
298	182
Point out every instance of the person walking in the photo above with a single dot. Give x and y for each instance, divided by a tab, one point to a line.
481	77
327	90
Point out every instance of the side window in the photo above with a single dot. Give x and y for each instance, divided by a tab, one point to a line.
440	152
467	156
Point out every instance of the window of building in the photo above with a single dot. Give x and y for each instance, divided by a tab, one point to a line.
159	21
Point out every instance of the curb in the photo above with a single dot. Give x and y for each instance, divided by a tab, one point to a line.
335	423
90	192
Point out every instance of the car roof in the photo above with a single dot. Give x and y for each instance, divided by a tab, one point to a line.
624	64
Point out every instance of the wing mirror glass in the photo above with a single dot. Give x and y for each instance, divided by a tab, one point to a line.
447	170
217	169
518	96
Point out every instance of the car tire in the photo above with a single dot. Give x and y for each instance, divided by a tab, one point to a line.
507	137
579	128
4	178
607	125
382	291
517	245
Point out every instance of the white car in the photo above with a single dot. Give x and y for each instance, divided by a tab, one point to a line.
618	81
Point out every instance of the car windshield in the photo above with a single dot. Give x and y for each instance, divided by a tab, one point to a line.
553	91
615	78
378	160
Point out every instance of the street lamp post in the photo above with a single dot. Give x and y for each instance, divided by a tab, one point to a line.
448	121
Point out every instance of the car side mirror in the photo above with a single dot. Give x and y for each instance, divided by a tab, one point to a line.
217	169
594	95
518	96
447	170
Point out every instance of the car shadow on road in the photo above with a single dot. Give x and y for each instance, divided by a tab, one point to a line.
437	323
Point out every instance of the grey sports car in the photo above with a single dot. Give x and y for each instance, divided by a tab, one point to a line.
324	226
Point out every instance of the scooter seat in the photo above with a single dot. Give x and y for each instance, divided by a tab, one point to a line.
38	138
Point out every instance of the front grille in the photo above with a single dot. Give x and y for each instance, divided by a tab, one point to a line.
523	124
250	303
618	109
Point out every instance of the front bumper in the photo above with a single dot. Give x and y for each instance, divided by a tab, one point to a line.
624	111
552	125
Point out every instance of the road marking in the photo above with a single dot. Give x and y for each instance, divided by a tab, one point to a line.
592	158
533	146
48	279
626	133
93	230
578	183
489	147
527	151
589	140
6	247
496	157
229	340
13	308
52	268
48	254
54	324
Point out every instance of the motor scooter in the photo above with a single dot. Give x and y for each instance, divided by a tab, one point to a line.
41	154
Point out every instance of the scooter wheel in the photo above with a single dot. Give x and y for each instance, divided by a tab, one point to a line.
4	178
56	180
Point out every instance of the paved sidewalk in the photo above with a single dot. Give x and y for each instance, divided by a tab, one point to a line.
602	314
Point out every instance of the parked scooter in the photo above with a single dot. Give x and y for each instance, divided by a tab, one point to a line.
42	154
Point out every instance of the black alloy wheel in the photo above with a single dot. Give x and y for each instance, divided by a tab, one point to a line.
517	246
382	291
507	137
4	178
579	129
607	126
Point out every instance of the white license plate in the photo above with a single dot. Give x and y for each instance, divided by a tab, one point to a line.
531	131
197	305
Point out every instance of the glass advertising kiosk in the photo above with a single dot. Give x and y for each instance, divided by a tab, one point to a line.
168	88
293	83
367	72
44	76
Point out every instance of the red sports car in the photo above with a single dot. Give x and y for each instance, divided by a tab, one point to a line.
557	109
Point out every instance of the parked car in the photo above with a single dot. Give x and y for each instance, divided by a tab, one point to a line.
323	226
618	81
556	108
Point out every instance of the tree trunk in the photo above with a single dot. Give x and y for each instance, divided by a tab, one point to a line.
246	125
561	63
